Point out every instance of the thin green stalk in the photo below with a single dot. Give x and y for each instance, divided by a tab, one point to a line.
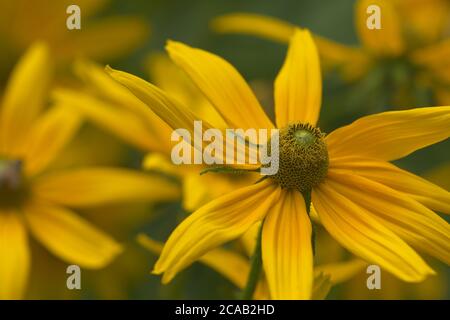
255	269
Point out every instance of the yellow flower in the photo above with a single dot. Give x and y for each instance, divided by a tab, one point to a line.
412	45
40	203
114	108
373	208
24	21
237	268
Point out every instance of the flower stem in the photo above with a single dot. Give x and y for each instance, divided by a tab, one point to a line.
255	269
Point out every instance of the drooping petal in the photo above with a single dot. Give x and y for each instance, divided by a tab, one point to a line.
286	248
224	87
69	237
14	256
390	135
24	97
298	87
178	116
49	135
100	186
221	220
358	231
427	193
411	221
388	39
167	108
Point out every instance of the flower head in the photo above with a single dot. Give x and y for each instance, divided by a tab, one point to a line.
373	208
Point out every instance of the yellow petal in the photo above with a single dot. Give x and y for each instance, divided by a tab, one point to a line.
390	135
341	271
106	39
298	87
69	237
100	186
254	24
221	220
417	225
14	256
236	267
24	97
222	85
127	125
49	135
427	193
386	41
286	248
356	230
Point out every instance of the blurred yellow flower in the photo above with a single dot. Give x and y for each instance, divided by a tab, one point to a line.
374	209
412	47
24	21
31	136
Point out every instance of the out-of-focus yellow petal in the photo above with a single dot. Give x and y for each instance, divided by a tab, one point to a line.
221	220
298	87
100	186
197	189
69	237
49	135
358	231
341	271
107	89
411	221
14	256
231	265
161	163
386	41
434	56
126	124
106	39
222	84
254	24
352	62
24	98
427	193
390	135
286	248
424	21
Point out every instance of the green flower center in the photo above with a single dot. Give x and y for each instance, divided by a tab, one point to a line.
303	157
13	189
